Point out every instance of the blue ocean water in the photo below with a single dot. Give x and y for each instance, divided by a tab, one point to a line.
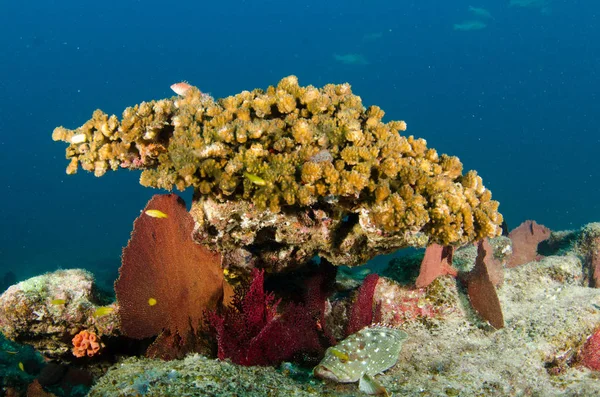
508	86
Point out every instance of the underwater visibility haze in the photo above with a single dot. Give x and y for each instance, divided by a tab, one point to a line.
516	99
509	87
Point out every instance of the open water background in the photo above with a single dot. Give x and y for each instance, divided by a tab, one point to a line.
516	99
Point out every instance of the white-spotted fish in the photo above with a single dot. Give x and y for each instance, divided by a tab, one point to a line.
362	355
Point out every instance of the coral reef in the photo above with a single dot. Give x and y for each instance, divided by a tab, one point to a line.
48	311
464	258
313	157
541	325
549	314
587	245
399	304
584	243
166	280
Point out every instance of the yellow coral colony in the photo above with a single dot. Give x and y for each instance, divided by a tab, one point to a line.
291	146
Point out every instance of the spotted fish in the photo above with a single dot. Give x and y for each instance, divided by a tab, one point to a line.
362	355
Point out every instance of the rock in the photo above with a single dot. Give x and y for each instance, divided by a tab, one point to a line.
48	310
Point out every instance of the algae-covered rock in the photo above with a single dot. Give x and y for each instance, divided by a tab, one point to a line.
200	376
450	351
548	312
48	310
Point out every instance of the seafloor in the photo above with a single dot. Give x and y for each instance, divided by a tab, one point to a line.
548	313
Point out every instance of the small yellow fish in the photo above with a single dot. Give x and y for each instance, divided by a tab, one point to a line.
58	301
21	366
11	352
152	301
156	214
257	180
103	311
229	274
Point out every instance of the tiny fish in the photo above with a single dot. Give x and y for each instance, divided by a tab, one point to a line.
21	366
322	156
331	198
229	274
257	180
58	301
156	214
103	311
362	355
181	88
152	301
11	352
480	12
79	138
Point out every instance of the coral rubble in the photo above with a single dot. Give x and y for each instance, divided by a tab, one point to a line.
334	178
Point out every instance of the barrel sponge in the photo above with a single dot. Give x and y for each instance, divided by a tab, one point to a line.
291	146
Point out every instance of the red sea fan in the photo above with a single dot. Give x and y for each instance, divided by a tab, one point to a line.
251	332
236	326
166	280
590	354
363	312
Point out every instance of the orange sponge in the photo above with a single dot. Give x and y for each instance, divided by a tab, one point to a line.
86	343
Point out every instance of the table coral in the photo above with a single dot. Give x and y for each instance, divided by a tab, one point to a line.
312	150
